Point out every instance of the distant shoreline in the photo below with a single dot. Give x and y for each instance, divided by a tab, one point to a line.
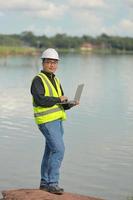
18	50
10	50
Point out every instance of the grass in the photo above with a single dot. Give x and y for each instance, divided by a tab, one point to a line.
5	50
18	50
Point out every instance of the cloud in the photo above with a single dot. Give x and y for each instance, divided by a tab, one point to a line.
125	27
37	8
46	30
87	22
51	12
129	3
87	3
94	17
87	15
75	17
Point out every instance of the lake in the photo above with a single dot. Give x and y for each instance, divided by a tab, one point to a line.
98	133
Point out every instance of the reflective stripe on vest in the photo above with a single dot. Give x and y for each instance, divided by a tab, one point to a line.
47	114
48	85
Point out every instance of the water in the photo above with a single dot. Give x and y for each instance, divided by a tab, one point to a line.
98	133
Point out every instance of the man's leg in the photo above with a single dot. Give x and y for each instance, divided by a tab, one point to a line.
44	168
53	132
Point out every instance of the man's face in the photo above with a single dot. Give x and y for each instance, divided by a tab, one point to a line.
50	65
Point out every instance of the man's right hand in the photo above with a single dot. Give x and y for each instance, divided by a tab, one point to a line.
63	98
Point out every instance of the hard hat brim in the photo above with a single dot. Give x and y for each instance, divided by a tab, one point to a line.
50	58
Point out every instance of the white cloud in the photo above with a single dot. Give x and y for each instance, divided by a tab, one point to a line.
87	22
125	27
39	8
129	3
14	5
75	17
47	30
89	15
94	17
51	12
87	3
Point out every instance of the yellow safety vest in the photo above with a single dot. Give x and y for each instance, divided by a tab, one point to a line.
47	114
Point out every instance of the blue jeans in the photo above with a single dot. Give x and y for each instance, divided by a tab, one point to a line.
53	153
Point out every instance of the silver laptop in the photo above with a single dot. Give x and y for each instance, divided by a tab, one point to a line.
76	97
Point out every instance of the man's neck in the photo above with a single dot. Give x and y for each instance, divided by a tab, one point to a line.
49	74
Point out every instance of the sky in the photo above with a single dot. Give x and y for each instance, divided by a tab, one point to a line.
73	17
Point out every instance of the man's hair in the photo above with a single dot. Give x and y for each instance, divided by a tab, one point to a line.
43	60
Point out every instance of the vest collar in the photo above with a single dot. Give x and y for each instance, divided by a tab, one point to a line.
49	75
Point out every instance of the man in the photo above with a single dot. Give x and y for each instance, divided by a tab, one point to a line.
49	113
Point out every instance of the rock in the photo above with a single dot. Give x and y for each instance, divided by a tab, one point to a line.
35	194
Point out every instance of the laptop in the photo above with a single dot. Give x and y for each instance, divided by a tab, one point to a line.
76	97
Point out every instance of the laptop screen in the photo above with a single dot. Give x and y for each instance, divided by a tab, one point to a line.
78	92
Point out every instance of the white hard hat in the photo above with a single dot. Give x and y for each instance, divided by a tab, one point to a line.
50	53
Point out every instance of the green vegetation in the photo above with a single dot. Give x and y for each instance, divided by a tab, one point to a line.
8	50
28	43
130	198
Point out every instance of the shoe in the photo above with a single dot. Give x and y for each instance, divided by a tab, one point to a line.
55	189
44	188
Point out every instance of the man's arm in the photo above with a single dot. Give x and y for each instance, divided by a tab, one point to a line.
38	93
66	106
